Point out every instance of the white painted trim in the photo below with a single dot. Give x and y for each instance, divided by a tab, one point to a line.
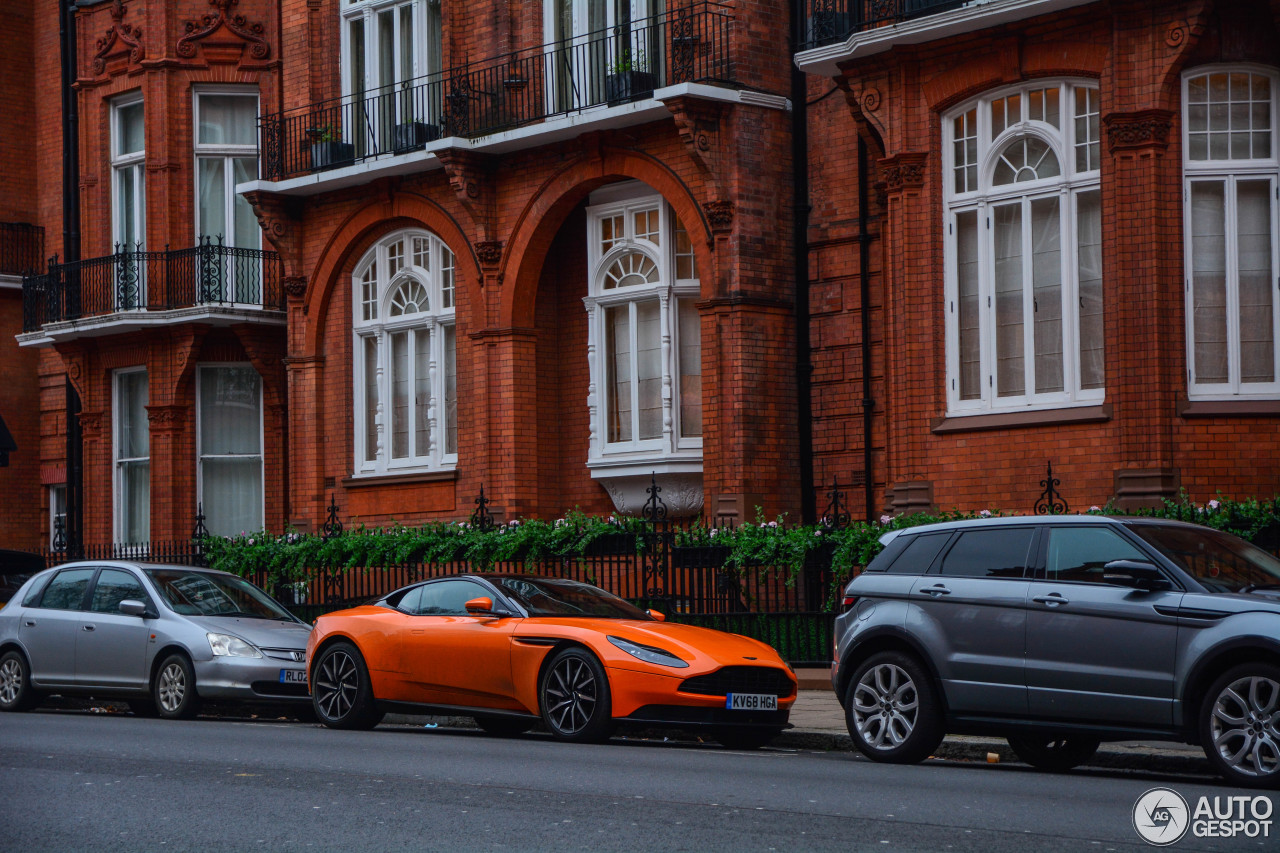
10	282
976	15
262	437
123	322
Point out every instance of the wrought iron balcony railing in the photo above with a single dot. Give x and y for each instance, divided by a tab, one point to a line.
830	21
687	44
21	248
136	280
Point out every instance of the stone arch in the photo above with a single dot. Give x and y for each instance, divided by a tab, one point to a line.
542	218
357	233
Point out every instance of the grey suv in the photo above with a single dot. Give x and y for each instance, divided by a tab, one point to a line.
1061	632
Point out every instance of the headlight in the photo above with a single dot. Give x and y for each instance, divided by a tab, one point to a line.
225	645
649	654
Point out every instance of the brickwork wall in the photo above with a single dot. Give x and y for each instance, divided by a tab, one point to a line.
1137	51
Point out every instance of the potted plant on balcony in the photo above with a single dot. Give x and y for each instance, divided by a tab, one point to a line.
411	134
328	151
629	78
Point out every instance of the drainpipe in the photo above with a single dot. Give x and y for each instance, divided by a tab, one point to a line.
864	288
800	243
70	255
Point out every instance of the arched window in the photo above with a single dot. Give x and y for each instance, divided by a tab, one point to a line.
405	372
1230	165
645	342
1024	260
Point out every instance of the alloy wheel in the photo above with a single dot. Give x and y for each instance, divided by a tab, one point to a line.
1245	726
173	687
10	681
885	706
571	693
337	684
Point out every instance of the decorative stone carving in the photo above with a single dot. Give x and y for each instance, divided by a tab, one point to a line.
699	123
126	35
489	252
1144	129
166	418
719	215
278	219
295	285
471	179
1182	31
253	33
91	423
681	493
906	171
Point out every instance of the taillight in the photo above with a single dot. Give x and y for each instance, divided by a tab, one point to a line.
847	604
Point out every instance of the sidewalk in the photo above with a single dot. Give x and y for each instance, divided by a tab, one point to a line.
818	723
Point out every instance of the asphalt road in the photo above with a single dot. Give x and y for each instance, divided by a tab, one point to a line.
71	780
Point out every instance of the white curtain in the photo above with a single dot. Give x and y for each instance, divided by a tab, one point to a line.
1089	272
1010	367
450	391
133	449
690	330
1209	280
422	392
399	395
1257	321
618	352
969	305
231	449
228	120
1046	284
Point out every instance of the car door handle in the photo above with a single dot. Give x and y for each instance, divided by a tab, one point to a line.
88	627
30	623
936	590
1053	599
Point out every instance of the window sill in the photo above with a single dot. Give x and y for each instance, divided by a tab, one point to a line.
380	480
1227	408
1012	420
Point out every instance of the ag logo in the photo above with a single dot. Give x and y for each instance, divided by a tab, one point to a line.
1161	816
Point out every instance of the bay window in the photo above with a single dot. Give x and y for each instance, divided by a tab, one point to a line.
1230	169
1023	252
405	371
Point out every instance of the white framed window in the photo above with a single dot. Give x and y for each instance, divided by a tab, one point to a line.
405	367
389	47
591	39
1231	169
57	514
1024	314
644	334
226	154
229	437
131	445
128	199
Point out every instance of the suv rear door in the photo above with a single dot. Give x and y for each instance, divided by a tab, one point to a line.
970	611
1098	652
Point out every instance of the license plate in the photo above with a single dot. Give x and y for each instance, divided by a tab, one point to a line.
751	702
293	676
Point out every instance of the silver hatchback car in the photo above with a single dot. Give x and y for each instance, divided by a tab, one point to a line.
161	637
1061	632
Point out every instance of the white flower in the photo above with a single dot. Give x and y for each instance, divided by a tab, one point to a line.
885	519
1214	504
773	524
986	513
817	533
515	522
1095	508
714	531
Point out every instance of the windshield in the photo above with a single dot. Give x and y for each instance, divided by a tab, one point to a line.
545	597
1219	561
196	593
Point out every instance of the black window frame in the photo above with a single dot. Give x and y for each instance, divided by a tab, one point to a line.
1028	568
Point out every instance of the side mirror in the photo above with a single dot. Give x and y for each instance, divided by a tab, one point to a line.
483	606
1136	574
132	607
657	615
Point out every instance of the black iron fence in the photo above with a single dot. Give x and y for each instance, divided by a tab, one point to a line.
689	43
137	280
21	248
828	21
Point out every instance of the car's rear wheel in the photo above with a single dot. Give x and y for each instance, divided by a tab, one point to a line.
575	700
340	691
892	709
736	738
174	689
1240	725
1054	754
16	693
504	726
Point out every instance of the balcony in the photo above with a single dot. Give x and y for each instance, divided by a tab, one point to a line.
132	290
841	30
622	65
21	248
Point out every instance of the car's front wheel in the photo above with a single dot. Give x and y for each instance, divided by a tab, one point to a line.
1240	725
340	690
16	693
1054	754
174	689
892	709
575	699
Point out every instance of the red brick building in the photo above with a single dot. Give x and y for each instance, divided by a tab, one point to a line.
384	253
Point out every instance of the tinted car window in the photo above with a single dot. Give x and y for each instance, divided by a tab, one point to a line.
446	598
113	587
919	554
989	553
1080	553
66	591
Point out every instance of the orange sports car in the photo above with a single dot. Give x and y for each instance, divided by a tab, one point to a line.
511	650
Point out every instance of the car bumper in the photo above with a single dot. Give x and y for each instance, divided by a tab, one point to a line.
250	679
634	692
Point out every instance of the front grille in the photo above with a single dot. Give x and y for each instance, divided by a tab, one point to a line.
295	655
740	679
275	688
